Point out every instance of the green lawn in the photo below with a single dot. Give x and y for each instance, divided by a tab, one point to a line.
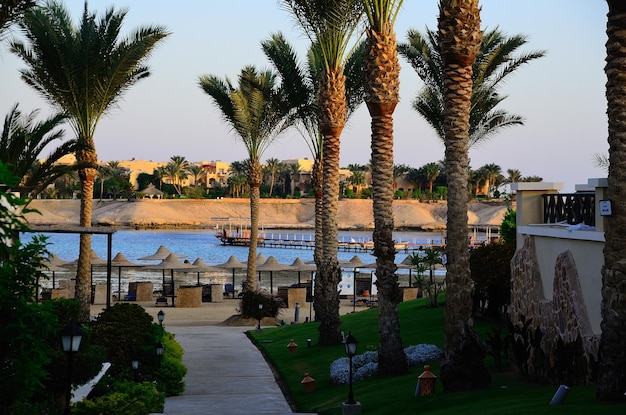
419	324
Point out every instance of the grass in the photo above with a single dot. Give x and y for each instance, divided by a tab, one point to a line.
382	396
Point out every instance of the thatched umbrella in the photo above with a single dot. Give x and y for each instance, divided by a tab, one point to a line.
161	253
233	264
120	261
271	265
201	266
171	263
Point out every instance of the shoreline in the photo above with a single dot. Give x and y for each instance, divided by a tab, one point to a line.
288	214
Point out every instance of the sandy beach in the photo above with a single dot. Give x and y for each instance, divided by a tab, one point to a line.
354	214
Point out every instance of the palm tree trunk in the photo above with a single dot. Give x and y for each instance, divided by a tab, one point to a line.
332	121
317	176
83	272
255	178
611	382
462	366
381	95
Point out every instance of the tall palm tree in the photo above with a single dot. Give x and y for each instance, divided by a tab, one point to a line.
495	60
294	176
611	382
83	71
382	86
255	111
302	85
272	166
21	145
160	174
329	24
462	366
492	173
514	176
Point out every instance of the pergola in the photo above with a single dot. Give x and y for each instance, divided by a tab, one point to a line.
89	230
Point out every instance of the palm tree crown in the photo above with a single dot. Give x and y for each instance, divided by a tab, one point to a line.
496	60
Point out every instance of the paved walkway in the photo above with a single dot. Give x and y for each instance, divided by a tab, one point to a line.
226	375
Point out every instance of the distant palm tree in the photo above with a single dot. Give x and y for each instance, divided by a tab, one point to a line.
83	71
177	170
272	167
495	60
399	170
532	179
160	174
255	111
431	172
294	176
195	171
462	366
514	176
492	174
330	26
21	146
357	180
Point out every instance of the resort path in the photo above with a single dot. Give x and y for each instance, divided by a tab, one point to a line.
226	374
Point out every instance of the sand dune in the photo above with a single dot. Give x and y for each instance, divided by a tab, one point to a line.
274	213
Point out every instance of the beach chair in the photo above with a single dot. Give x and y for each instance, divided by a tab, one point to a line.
229	290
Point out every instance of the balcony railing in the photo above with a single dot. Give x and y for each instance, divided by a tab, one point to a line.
572	208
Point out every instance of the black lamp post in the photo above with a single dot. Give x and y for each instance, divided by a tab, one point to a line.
350	343
161	317
135	365
258	327
71	335
160	348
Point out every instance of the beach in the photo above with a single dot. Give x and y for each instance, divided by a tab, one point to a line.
354	214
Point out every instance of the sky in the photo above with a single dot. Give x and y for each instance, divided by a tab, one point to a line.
561	96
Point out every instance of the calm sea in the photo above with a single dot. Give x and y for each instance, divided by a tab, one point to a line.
203	244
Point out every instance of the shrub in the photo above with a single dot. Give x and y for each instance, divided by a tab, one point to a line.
126	398
250	301
491	272
171	370
508	228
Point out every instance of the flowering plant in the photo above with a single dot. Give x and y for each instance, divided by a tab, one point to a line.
366	364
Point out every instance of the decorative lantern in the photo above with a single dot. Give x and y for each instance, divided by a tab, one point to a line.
292	346
308	383
426	382
161	317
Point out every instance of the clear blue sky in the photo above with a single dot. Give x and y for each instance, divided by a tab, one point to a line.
561	95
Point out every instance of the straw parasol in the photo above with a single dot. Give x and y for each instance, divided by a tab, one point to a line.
271	265
120	261
299	265
233	264
161	253
171	263
201	266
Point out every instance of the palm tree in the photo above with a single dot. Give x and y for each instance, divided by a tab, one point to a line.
611	382
382	86
83	71
177	170
255	111
11	11
329	24
294	176
431	172
357	180
272	167
462	366
495	60
195	171
21	144
302	85
399	170
492	173
514	176
160	174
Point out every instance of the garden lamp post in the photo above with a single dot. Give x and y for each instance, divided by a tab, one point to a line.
71	335
350	343
258	327
161	317
135	365
160	348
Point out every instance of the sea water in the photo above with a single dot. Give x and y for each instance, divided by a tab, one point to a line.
203	244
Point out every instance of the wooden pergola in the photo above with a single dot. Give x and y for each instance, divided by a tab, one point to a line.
90	230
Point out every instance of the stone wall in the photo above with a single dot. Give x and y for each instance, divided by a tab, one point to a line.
563	317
